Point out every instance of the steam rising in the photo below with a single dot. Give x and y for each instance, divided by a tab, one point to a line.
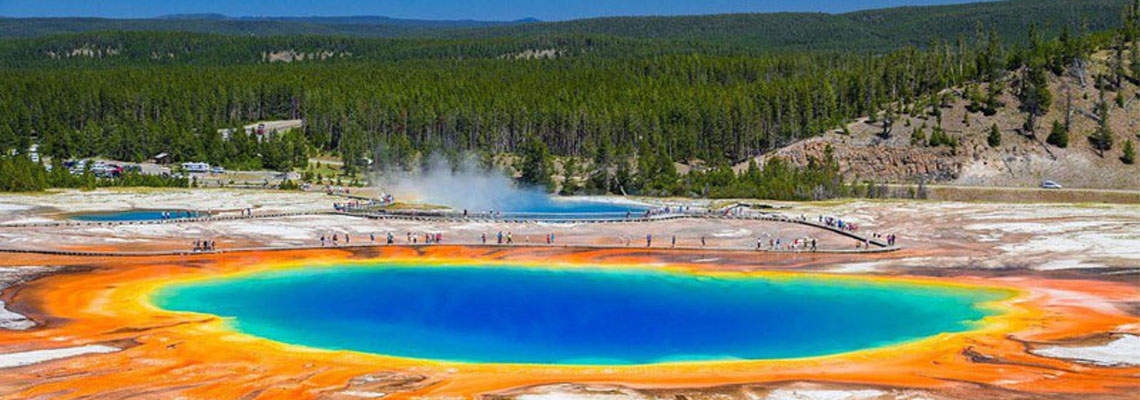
463	187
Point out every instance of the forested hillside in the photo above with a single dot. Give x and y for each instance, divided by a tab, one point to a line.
874	30
624	109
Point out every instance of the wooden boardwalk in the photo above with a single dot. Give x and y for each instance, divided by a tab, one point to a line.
158	253
879	246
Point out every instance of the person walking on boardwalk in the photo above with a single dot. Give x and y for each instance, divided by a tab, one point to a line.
702	241
648	240
674	243
372	237
483	237
500	239
390	238
510	238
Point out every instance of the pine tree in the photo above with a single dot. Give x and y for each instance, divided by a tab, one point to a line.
1034	95
995	136
1129	156
536	165
1101	139
1058	136
918	138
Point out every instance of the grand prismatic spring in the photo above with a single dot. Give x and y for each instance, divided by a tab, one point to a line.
976	303
537	315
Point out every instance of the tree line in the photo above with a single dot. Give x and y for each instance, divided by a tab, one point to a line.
628	116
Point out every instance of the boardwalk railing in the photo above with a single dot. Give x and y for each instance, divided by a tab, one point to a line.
159	253
446	216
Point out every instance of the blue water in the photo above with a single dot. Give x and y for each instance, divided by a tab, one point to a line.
546	204
577	316
548	208
133	215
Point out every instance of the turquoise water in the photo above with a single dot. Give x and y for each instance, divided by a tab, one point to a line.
550	208
134	215
507	314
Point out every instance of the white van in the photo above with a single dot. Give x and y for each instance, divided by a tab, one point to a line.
196	167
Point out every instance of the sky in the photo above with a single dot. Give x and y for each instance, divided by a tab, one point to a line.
548	10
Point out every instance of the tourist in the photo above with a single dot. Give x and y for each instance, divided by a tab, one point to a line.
674	243
813	248
439	238
322	240
702	241
758	242
510	238
648	240
500	237
347	239
483	237
372	237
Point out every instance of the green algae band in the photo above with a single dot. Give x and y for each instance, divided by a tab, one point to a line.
508	314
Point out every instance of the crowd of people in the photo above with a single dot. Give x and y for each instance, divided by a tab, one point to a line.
205	245
177	214
889	238
779	244
838	223
359	202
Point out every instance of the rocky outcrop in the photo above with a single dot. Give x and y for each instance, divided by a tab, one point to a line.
886	163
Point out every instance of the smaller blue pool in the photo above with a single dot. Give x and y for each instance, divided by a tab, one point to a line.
136	215
542	207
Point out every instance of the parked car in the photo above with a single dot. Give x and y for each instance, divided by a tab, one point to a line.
217	170
1050	185
196	167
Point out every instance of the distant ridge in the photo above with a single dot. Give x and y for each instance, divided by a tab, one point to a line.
870	30
193	16
358	26
355	20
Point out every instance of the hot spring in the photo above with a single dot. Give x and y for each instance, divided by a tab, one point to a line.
469	188
135	215
596	316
